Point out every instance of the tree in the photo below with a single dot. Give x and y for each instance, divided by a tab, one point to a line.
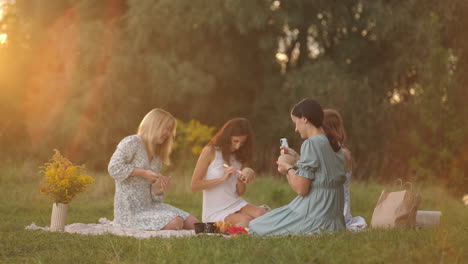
395	70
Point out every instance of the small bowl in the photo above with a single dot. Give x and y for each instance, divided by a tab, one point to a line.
199	228
205	228
211	228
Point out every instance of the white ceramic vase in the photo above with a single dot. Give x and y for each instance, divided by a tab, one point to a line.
59	213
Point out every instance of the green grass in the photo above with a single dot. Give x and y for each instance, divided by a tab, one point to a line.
21	205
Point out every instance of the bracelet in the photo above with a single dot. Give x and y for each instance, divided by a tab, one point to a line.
290	168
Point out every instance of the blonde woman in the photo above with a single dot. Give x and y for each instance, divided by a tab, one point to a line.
140	187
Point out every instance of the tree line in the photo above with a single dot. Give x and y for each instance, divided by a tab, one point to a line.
78	75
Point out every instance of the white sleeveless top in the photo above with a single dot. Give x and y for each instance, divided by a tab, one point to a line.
222	199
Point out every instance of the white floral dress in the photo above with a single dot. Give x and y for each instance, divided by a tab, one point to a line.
352	223
135	204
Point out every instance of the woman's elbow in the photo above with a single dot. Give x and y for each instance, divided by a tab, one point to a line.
115	169
112	172
110	169
303	191
195	187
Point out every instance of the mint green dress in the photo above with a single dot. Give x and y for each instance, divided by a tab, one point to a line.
321	210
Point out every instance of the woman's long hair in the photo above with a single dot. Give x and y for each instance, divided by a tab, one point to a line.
151	128
313	112
333	124
222	140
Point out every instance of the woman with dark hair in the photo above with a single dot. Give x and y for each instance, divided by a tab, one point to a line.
317	179
217	174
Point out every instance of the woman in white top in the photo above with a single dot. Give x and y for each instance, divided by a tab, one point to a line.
333	124
216	173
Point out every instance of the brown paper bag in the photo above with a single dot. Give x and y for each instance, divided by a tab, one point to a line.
396	209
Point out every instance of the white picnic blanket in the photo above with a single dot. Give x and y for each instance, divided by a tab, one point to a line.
106	226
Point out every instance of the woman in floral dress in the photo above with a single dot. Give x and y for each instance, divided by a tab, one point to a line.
139	186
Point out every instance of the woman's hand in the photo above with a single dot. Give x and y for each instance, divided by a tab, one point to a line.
246	179
290	151
283	167
228	172
243	178
165	183
247	175
151	176
162	185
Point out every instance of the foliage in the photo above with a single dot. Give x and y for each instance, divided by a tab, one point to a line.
190	139
396	72
192	136
62	180
439	134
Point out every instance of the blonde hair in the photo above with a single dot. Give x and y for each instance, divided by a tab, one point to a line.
150	129
333	122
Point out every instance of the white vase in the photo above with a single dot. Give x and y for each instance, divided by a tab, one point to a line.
59	213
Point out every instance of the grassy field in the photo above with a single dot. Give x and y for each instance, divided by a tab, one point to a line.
21	205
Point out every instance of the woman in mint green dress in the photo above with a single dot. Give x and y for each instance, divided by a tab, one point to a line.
318	180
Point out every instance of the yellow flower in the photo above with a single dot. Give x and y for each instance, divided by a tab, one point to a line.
62	180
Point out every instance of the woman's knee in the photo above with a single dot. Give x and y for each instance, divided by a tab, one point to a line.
253	211
244	218
259	212
189	223
238	218
175	224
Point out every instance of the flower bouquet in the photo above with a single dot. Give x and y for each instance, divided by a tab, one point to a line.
62	181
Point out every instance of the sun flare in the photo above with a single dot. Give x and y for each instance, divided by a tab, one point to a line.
3	38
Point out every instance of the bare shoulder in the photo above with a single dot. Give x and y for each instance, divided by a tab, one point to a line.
208	153
204	160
